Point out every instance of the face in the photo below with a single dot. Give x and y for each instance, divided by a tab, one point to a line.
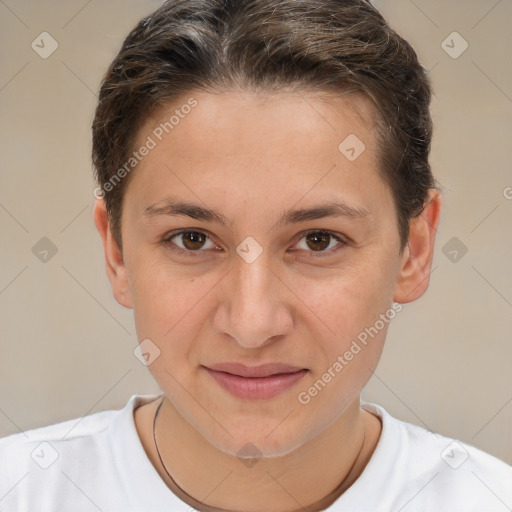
251	237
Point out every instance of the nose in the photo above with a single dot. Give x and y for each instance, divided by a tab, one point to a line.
255	306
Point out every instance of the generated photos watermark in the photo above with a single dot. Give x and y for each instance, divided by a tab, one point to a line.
304	397
151	143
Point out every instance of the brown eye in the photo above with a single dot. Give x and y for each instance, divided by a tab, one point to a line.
321	242
318	241
192	241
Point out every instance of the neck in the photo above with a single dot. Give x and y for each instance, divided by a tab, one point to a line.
314	474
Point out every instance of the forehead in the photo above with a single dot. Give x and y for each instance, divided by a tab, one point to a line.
224	124
221	113
242	143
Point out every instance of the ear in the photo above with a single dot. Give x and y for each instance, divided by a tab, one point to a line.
116	269
414	276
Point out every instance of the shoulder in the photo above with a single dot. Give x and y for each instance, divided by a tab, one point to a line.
42	463
58	434
42	446
436	471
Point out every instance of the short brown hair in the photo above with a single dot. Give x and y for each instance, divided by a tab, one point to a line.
322	45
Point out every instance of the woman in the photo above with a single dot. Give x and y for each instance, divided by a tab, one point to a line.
266	206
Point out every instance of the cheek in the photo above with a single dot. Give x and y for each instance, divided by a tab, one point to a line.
355	306
173	312
166	301
350	299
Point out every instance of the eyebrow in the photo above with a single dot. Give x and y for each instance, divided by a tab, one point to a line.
195	211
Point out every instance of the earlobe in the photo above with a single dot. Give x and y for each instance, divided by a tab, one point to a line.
114	263
414	276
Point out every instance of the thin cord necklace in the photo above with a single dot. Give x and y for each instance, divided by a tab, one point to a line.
338	490
160	456
158	451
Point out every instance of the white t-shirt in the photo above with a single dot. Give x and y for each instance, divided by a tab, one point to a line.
98	463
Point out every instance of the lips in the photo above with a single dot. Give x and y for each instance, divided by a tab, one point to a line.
256	382
263	370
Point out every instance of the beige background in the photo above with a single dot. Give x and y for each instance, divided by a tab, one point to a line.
67	346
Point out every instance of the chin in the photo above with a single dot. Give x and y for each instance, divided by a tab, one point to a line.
247	450
252	439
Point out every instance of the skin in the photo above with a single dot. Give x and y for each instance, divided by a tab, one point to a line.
252	157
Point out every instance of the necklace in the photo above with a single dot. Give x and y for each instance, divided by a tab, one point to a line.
156	446
332	496
162	462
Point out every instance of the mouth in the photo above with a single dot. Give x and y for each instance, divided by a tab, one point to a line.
256	382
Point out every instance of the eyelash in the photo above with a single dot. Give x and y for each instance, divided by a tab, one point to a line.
311	254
